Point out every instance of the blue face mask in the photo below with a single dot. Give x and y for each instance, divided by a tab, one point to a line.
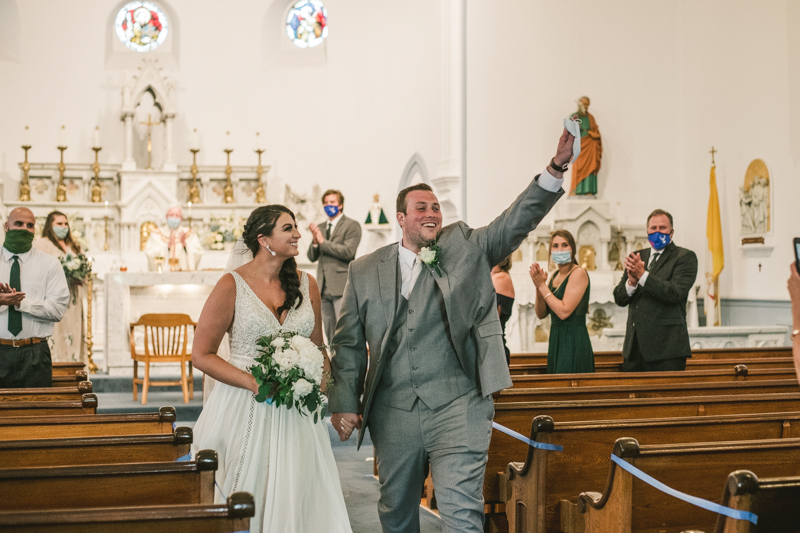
659	241
561	258
61	232
173	222
331	210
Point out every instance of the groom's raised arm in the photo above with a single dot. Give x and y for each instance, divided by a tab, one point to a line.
349	363
505	233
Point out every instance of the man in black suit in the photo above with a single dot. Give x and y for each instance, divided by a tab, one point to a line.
656	286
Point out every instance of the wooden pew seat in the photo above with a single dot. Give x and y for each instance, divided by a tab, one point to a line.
231	517
91	486
51	427
67	368
698	469
697	354
96	450
700	364
70	380
46	394
775	501
86	405
534	489
658	390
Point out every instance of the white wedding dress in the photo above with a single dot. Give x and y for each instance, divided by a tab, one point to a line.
280	456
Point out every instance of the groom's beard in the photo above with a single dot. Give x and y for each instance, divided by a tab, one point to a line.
419	242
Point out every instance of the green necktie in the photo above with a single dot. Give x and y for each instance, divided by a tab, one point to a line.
328	232
14	316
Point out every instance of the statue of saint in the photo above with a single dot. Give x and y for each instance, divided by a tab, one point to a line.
586	167
178	247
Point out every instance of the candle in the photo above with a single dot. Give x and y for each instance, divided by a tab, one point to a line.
26	139
190	209
195	140
227	140
105	209
258	141
63	136
97	136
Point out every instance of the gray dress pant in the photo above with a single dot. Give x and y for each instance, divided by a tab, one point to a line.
455	439
330	308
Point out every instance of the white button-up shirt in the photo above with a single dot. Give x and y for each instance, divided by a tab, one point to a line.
43	281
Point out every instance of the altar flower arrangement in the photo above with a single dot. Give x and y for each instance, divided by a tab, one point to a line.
221	231
289	371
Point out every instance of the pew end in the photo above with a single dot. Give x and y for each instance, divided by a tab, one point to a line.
774	501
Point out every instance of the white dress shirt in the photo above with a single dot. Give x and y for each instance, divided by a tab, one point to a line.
43	281
631	289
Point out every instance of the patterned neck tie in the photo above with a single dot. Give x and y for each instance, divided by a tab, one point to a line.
14	315
328	231
653	261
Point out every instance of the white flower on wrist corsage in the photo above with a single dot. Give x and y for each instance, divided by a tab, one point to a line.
429	255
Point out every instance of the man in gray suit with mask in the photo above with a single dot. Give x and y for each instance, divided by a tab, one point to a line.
435	351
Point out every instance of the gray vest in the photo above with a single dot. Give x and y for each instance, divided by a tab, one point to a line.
422	361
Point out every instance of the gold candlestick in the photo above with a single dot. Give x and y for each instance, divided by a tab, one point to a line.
261	193
24	185
89	342
194	190
97	191
105	231
61	188
228	190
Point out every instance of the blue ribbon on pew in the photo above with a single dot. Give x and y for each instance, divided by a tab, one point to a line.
526	440
187	457
704	504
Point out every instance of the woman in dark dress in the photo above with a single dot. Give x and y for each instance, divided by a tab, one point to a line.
566	299
505	296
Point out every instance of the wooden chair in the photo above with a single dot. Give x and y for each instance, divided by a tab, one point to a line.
165	341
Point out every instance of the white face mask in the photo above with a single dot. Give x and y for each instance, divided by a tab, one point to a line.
61	231
561	258
173	222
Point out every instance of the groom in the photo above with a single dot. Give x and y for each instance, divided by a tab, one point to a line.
435	351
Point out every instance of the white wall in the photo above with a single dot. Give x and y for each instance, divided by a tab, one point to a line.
350	121
667	81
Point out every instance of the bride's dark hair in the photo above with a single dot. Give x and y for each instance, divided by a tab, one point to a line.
262	222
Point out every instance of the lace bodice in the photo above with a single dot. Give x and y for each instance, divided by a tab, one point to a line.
252	320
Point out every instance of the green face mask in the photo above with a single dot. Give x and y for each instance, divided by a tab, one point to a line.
18	241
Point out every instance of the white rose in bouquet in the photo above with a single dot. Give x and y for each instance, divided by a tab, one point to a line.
302	388
278	343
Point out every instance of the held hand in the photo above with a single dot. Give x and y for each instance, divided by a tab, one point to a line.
345	424
564	151
538	276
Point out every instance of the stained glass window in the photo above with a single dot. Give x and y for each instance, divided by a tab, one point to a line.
307	23
141	26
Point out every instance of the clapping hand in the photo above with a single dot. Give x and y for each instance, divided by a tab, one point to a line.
635	267
316	233
9	296
538	275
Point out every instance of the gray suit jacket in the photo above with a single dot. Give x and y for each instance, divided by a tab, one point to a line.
335	254
466	259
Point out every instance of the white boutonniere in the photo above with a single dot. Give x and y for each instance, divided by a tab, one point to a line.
429	255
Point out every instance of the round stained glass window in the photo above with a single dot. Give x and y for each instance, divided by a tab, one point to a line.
141	26
307	23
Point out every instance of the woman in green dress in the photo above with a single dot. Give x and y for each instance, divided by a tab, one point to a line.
566	299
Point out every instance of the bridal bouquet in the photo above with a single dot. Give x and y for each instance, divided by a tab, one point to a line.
76	267
289	370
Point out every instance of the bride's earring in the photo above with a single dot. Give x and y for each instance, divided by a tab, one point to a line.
270	251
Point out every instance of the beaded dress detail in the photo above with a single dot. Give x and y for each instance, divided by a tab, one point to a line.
277	454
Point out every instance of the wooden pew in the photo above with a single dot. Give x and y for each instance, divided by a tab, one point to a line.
97	450
774	501
519	415
50	427
81	487
231	517
46	394
703	364
628	504
705	353
67	369
86	405
658	390
70	380
532	491
737	373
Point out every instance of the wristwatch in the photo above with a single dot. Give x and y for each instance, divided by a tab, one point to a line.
558	168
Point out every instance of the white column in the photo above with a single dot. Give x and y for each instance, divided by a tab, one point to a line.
451	168
128	163
604	254
169	159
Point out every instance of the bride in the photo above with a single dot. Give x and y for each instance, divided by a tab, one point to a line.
279	455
